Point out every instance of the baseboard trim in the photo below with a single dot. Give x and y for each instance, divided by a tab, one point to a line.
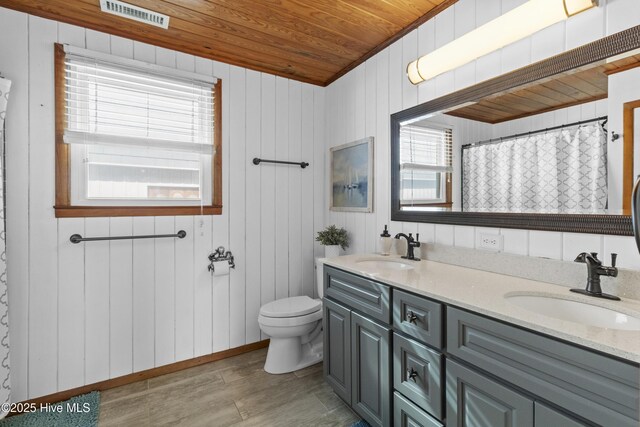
144	375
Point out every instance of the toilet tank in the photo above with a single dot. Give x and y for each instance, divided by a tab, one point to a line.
319	277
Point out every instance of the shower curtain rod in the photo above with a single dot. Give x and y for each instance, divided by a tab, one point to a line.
497	140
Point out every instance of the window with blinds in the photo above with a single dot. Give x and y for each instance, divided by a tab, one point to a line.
425	165
137	134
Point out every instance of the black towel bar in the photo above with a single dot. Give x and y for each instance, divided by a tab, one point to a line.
76	238
257	161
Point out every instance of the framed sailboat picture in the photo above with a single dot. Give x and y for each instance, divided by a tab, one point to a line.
352	176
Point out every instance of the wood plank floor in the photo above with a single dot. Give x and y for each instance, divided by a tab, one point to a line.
230	392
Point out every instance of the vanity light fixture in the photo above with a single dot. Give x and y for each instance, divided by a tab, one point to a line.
514	25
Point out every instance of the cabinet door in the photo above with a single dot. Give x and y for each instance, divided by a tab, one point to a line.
476	401
546	417
371	371
337	348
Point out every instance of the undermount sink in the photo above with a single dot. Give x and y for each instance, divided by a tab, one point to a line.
385	264
576	311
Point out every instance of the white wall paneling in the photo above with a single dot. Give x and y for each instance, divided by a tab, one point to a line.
253	202
15	46
393	93
120	298
295	189
96	301
214	332
83	313
282	189
42	235
267	180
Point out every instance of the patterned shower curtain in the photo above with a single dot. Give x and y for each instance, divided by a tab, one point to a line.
560	171
5	389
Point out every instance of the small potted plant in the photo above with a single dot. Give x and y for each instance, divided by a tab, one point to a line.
333	238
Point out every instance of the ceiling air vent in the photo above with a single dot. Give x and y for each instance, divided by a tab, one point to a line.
136	13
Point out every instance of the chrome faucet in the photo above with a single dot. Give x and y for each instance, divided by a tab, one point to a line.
595	269
411	244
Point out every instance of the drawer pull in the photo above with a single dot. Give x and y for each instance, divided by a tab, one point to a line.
412	374
411	317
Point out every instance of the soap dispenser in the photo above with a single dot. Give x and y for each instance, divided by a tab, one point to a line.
385	242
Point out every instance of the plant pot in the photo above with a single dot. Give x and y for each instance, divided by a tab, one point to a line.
331	251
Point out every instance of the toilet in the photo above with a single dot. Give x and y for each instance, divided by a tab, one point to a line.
295	328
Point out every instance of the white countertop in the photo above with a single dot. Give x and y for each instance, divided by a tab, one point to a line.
484	293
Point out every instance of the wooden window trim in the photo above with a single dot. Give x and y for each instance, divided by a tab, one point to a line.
628	137
63	207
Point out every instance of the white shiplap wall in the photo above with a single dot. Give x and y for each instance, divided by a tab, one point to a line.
359	105
88	312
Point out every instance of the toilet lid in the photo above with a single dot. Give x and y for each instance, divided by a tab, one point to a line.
291	307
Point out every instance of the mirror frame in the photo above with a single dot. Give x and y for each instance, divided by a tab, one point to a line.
598	50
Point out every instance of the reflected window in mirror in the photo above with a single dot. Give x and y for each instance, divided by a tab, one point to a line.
426	166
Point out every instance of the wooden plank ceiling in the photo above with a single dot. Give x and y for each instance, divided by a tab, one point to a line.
314	41
575	87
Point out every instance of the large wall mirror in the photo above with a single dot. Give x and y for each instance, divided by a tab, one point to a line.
550	146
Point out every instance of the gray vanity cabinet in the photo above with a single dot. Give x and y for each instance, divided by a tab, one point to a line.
603	390
337	348
370	373
473	400
442	364
357	344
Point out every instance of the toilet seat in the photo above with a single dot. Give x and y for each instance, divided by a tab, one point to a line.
290	307
285	322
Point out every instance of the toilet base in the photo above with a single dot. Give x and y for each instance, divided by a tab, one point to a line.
288	354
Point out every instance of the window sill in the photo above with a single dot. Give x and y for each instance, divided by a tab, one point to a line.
430	205
109	211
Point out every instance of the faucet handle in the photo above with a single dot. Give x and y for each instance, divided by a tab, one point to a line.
594	255
417	237
614	258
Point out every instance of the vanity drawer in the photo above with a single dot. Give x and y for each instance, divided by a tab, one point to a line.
417	373
364	295
419	317
599	388
406	414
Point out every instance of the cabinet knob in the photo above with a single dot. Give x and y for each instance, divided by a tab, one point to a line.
411	317
412	374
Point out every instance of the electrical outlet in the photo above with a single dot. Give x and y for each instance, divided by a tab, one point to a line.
491	242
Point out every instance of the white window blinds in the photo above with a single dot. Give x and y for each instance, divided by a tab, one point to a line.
426	149
119	104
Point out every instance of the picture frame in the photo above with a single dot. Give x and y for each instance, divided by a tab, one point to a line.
351	176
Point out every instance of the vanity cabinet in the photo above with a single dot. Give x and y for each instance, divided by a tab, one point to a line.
357	344
403	359
603	390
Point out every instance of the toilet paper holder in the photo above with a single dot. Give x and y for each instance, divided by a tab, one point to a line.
221	255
